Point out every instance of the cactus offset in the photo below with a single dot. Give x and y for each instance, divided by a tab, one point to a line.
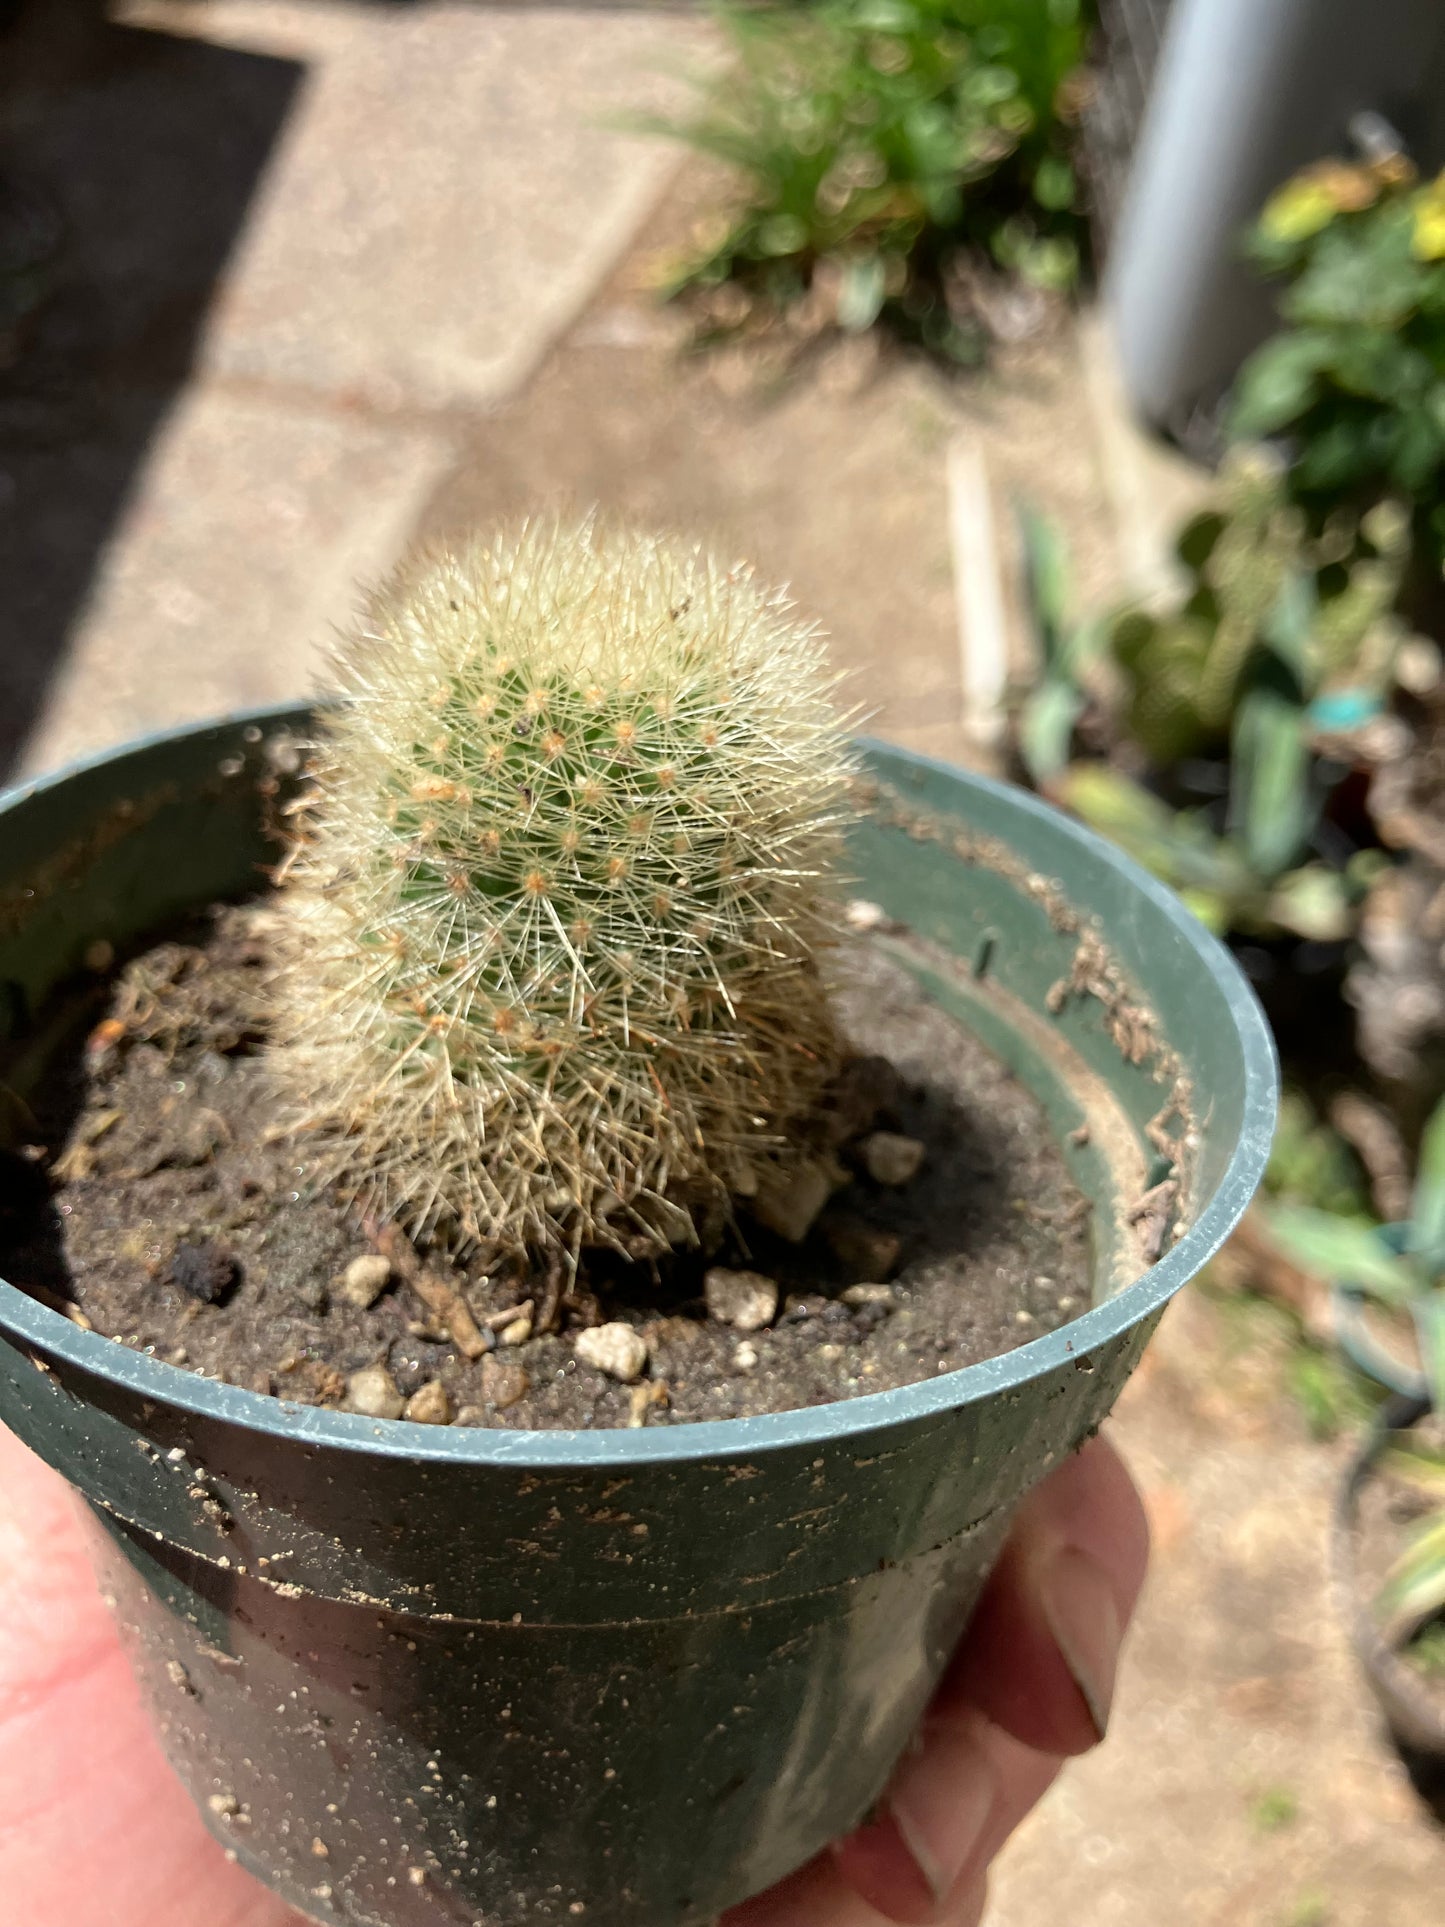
552	924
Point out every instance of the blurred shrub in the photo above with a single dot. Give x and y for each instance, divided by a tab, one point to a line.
1249	690
1265	603
1355	380
1402	1266
885	148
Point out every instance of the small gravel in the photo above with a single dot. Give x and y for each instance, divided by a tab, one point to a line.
617	1350
431	1405
365	1279
790	1206
746	1300
890	1158
373	1392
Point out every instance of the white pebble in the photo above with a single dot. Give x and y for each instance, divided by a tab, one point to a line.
372	1392
745	1358
430	1405
617	1350
891	1159
790	1205
869	1295
863	915
365	1279
746	1300
518	1332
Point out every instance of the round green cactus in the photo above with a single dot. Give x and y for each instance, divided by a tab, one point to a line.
553	921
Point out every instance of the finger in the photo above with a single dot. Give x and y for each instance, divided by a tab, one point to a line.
78	1760
1042	1649
1013	1701
952	1804
820	1896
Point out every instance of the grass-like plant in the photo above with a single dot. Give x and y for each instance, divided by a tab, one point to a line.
1413	1595
1401	1266
553	921
890	140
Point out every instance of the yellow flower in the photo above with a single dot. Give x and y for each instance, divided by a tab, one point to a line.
1300	208
1309	202
1428	239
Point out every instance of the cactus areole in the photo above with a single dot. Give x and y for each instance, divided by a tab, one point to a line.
560	886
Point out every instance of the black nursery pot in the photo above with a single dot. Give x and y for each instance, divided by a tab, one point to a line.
628	1677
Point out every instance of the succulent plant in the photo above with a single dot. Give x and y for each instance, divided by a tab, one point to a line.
1261	584
553	920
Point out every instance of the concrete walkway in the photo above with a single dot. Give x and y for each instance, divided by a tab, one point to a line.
306	246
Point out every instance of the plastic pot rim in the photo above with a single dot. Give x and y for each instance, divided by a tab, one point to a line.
152	1378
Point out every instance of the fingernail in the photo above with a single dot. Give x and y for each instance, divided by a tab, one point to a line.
1079	1604
940	1802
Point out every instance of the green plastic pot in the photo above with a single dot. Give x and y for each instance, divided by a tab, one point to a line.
628	1677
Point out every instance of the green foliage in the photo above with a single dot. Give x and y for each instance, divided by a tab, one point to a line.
1414	1589
1265	602
1281	641
1331	1397
1232	883
889	139
1356	377
1312	1909
1274	1810
1311	1164
1067	650
1427	1650
552	924
1405	1269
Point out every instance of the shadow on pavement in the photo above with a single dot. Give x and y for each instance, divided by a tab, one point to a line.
128	159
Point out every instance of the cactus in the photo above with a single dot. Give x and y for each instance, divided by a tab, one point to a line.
1259	580
552	925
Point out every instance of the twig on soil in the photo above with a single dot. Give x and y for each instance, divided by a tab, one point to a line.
499	1320
548	1317
65	1306
1151	1217
438	1294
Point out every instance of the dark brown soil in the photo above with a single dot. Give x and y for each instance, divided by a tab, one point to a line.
1391	1510
160	1205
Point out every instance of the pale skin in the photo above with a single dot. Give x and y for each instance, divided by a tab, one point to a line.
95	1828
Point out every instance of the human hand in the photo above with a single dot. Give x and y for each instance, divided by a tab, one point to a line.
1031	1684
95	1828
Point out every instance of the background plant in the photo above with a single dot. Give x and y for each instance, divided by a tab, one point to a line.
1355	379
552	925
1402	1266
891	143
1228	711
